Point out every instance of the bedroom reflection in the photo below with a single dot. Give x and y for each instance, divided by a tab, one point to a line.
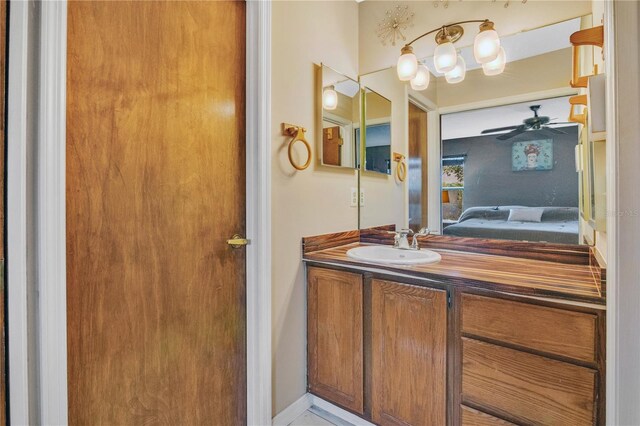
509	172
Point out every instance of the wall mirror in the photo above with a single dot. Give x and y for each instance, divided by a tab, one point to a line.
495	156
340	98
377	134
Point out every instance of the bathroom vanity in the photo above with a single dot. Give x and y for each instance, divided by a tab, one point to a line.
497	332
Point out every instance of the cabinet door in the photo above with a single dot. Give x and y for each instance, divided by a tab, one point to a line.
335	337
409	342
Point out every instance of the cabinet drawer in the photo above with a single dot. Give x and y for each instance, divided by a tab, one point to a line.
551	330
527	387
472	417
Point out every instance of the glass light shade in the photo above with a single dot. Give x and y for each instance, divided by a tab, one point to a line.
329	98
407	66
445	57
457	74
421	80
486	46
496	66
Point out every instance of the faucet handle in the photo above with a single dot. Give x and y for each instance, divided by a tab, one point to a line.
421	233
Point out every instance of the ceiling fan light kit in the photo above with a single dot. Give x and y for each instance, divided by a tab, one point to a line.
486	50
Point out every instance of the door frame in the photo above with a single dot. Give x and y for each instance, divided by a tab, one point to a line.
37	232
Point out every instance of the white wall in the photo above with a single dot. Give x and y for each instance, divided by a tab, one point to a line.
313	201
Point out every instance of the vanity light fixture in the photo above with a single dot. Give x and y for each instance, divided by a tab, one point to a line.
486	49
407	64
486	45
330	98
421	80
496	66
457	74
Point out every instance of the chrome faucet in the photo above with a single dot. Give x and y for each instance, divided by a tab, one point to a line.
421	233
400	240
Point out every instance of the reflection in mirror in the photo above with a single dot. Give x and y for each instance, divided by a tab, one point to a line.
377	137
509	172
530	180
340	118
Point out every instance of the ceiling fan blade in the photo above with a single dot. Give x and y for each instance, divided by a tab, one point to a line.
556	131
516	132
557	123
498	129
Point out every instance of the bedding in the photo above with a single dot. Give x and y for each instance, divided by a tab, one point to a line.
557	224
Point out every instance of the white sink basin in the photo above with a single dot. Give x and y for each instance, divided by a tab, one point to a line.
394	256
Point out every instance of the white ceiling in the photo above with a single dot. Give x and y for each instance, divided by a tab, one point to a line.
516	18
471	123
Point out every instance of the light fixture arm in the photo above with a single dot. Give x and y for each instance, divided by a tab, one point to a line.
444	28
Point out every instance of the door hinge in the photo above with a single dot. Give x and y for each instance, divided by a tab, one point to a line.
449	300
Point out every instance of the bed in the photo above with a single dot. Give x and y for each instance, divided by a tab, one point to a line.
557	225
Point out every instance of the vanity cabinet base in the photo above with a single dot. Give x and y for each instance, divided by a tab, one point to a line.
408	352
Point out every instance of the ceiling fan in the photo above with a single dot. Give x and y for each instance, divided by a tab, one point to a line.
533	123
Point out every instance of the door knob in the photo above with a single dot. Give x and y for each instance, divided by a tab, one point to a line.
237	241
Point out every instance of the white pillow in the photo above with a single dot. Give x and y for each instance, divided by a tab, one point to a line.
531	214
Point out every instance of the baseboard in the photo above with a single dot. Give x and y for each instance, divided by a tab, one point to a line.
344	415
293	411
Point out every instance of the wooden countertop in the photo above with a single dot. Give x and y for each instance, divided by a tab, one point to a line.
573	282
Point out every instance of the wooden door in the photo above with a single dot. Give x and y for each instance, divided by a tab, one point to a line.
155	186
409	350
417	167
332	146
335	337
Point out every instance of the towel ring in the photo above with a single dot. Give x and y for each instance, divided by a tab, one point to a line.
298	135
401	168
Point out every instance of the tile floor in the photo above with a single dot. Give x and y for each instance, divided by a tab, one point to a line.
310	419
